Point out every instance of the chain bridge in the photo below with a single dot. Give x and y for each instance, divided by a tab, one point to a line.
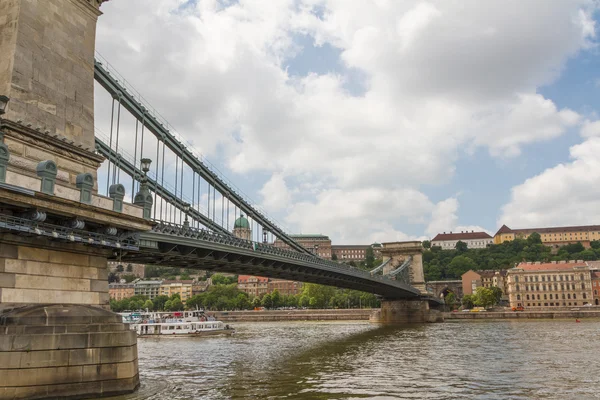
78	189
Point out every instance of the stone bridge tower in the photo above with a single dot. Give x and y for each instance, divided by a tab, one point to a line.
57	337
404	261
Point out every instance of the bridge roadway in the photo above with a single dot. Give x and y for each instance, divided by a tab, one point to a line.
185	247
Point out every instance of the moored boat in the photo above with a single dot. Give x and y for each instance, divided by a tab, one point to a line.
180	324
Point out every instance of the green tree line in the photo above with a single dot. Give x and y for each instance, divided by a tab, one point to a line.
441	264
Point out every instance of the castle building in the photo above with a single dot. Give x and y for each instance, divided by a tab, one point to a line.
474	240
242	229
315	243
554	236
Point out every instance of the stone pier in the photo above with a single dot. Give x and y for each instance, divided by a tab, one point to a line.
58	338
409	310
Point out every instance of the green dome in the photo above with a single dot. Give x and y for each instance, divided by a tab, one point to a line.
241	222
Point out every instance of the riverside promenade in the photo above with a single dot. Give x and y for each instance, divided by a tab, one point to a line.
294	315
489	315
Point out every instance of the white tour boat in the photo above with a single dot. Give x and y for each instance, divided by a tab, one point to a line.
179	324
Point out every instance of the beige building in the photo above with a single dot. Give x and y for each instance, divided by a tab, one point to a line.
473	240
284	287
182	288
554	236
253	285
471	280
120	291
317	244
350	252
151	289
555	284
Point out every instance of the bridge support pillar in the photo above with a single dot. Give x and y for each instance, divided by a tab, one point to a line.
405	311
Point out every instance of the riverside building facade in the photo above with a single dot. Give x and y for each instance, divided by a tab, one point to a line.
555	284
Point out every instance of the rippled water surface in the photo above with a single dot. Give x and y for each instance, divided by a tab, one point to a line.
355	360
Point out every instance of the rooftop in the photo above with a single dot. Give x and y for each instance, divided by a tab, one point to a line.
558	229
461	236
309	236
551	266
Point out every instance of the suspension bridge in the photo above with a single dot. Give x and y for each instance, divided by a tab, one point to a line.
78	189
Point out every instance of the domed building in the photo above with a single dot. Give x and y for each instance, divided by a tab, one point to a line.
241	228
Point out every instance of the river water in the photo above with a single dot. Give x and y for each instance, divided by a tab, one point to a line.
355	360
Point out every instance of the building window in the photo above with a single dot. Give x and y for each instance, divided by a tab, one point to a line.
545	296
584	296
517	280
518	288
574	296
527	297
581	276
596	292
518	297
569	297
538	296
583	285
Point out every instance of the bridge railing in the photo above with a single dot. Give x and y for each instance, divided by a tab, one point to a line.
219	238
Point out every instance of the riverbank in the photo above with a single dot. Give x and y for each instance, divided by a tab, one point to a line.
487	315
294	315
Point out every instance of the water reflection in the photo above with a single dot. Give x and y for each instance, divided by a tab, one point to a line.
308	360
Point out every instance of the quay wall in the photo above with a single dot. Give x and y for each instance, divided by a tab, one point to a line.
487	315
294	315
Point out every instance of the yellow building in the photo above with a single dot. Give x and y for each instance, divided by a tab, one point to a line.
558	236
183	288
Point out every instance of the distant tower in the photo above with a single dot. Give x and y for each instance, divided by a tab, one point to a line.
241	228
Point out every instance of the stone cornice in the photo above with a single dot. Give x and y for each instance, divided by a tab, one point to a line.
61	206
92	7
50	142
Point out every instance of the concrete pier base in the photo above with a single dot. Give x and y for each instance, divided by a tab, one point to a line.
66	352
405	312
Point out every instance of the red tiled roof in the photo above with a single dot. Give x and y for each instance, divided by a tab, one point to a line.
550	266
581	228
503	229
461	235
244	278
596	275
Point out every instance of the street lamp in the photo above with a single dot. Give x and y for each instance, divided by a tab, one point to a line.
145	163
3	103
316	248
186	209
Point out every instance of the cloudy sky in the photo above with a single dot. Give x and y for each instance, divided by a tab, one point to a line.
378	120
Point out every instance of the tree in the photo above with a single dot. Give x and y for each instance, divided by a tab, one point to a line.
128	278
334	257
369	258
534	238
184	277
148	305
484	297
497	294
267	301
450	300
461	246
159	302
256	302
467	301
595	244
129	268
459	265
112	278
426	244
275	299
218	279
119	268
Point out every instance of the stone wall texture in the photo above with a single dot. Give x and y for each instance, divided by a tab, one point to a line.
47	65
405	312
30	275
55	351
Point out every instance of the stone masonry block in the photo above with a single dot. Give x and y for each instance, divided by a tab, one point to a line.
53	283
85	272
97	262
61	257
84	356
110	355
8	251
42	359
10	359
7	280
30	253
95	285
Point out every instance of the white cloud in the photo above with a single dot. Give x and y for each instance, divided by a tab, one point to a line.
275	194
440	77
590	128
566	194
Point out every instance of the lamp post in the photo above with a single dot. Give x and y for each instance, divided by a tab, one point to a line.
316	248
186	209
143	197
3	103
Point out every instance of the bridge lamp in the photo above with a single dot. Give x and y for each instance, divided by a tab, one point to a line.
186	210
316	248
3	103
145	164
